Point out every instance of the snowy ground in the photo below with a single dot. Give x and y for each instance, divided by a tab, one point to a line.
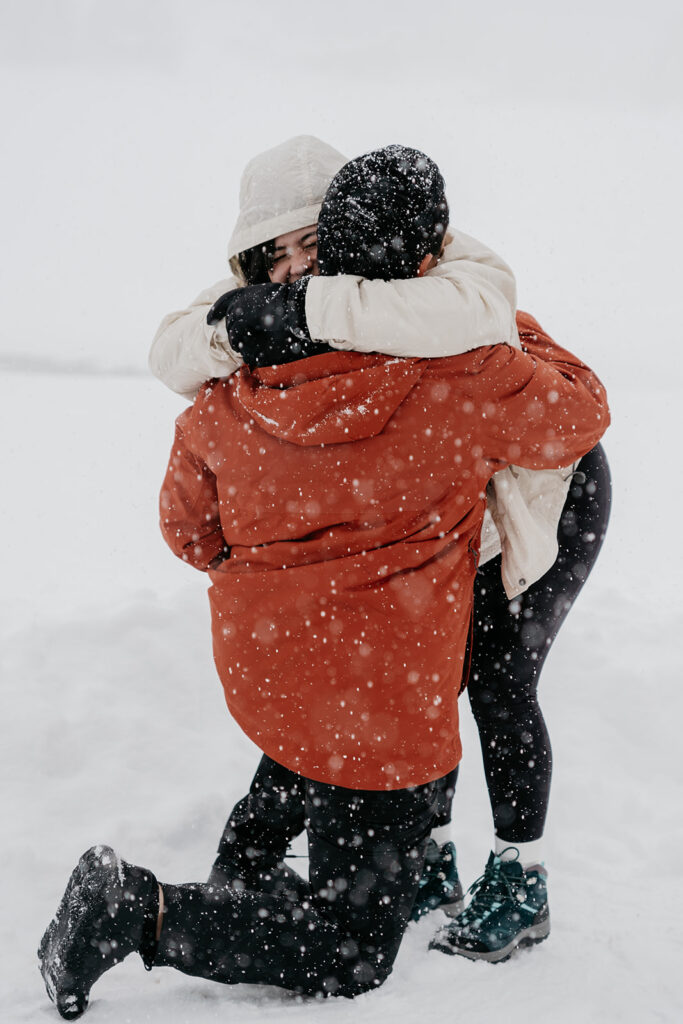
127	126
117	733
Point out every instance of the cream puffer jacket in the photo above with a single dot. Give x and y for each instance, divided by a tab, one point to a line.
467	300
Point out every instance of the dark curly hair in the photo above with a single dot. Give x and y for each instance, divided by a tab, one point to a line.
255	263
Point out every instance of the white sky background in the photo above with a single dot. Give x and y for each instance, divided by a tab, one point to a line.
126	126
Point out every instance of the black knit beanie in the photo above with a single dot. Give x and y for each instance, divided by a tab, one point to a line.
382	214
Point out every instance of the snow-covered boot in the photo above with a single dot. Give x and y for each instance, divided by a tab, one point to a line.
439	886
109	909
508	909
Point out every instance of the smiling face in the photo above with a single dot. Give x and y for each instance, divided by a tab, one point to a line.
295	254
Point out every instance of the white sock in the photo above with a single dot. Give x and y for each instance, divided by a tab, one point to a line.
442	834
529	853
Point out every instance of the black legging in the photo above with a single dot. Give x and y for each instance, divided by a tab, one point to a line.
510	643
509	646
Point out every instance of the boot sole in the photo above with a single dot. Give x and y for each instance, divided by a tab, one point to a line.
528	937
91	877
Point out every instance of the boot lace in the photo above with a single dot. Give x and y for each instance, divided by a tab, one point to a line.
491	890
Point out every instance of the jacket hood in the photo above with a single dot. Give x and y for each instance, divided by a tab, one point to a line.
282	190
332	398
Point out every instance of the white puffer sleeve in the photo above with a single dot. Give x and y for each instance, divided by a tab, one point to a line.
468	300
186	351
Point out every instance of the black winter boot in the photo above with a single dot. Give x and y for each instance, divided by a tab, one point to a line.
109	909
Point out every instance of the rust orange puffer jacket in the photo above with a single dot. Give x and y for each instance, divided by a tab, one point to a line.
350	491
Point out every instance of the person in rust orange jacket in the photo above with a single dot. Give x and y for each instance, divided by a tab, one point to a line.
349	490
336	502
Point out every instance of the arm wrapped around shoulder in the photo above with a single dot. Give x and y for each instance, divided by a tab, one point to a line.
541	408
186	351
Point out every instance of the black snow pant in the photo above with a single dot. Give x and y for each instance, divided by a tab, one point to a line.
339	933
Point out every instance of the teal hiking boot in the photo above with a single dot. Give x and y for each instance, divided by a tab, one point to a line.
508	909
440	886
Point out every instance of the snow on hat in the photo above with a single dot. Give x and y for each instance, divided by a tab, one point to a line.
281	190
382	214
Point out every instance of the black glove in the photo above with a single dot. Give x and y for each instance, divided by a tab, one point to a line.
266	323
